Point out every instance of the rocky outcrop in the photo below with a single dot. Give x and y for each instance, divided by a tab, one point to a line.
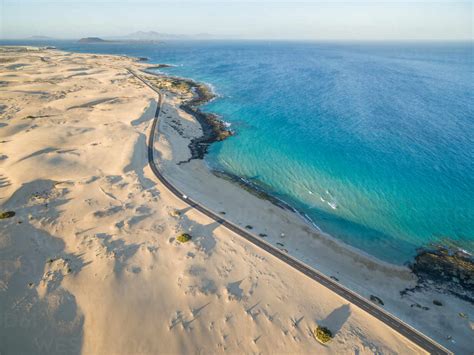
213	128
376	300
448	269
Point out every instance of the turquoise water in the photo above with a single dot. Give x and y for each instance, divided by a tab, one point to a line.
374	142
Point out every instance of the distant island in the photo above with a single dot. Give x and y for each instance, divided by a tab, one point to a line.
92	40
158	36
153	36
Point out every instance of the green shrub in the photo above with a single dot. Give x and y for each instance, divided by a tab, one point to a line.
183	238
6	214
175	213
322	334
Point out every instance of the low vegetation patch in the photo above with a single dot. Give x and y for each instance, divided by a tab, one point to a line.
322	334
6	214
7	60
175	213
183	238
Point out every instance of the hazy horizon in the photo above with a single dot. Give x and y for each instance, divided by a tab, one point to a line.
278	20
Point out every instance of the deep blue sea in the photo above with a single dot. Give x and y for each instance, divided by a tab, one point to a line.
373	141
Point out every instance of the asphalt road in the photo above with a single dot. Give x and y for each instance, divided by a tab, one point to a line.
396	324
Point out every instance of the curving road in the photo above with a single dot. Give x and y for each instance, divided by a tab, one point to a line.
396	324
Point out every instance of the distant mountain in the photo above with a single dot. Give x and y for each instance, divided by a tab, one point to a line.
39	38
158	36
92	40
150	36
115	40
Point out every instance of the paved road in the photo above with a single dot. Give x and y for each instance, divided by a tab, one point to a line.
393	322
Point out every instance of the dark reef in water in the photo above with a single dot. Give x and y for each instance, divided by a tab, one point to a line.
446	269
252	188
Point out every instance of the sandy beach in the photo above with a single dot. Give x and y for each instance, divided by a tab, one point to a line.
90	262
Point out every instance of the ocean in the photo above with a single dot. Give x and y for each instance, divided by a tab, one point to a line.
374	142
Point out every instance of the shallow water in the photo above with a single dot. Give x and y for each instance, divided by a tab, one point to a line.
374	142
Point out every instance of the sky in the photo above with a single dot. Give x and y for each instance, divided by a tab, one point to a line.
264	19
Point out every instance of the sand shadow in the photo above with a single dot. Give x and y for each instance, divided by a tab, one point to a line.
197	311
139	161
120	249
183	211
35	322
234	290
136	219
252	311
4	182
147	115
93	103
202	235
206	241
336	319
36	196
39	152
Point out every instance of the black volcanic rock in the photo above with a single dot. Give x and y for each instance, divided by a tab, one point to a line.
449	270
376	300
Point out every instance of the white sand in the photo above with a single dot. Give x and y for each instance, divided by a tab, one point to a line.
89	263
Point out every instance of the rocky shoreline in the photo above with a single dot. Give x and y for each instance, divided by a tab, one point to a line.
447	269
213	128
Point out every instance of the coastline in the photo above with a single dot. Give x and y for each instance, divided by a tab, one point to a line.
212	130
123	223
324	252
